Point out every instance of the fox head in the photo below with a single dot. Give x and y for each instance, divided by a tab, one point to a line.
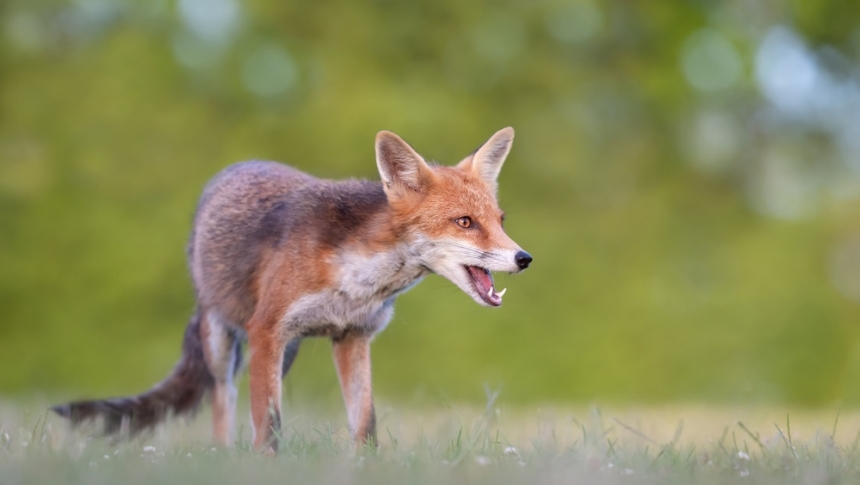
450	215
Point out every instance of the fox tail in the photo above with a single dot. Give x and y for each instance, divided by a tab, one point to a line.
180	393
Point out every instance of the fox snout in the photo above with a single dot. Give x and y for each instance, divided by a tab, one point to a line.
523	259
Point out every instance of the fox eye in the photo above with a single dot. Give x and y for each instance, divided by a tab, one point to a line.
464	222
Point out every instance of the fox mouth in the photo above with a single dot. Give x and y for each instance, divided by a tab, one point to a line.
482	280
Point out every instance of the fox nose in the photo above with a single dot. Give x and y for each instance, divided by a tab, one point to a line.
523	259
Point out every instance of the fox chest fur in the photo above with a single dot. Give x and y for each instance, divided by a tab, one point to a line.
362	299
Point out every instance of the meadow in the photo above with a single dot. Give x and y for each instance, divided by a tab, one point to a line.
686	175
456	444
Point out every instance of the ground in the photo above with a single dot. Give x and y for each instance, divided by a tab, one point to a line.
456	445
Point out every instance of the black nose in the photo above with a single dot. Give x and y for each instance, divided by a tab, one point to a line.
523	259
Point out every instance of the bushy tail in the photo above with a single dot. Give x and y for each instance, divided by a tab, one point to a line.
180	393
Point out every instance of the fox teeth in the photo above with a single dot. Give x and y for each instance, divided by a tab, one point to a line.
490	292
501	293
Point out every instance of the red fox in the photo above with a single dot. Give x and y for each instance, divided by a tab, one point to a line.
277	255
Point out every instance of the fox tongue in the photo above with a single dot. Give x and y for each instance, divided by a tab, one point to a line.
483	279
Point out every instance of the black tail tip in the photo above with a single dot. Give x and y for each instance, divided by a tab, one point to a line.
64	410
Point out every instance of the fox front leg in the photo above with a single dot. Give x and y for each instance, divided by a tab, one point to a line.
266	344
352	359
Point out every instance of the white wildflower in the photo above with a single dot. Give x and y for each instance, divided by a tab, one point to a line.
510	450
482	460
743	456
745	473
149	449
106	457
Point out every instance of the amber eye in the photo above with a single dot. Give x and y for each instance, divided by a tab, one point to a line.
464	222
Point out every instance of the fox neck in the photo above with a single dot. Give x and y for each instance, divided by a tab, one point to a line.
382	262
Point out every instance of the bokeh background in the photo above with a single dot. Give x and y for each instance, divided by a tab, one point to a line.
686	175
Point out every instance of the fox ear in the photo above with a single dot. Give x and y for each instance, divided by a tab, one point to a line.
402	169
487	161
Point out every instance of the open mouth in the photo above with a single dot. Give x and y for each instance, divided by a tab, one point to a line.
483	282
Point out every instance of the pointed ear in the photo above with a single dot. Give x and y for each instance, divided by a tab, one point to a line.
487	161
403	171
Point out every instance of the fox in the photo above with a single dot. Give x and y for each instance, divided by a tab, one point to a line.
277	255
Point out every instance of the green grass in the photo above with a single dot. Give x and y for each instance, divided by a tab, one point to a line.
456	445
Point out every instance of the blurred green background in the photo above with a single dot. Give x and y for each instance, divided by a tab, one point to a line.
686	175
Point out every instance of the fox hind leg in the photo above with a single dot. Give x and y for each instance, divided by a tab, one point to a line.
223	354
290	355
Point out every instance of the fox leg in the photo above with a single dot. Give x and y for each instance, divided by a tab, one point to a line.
222	353
267	345
352	359
290	355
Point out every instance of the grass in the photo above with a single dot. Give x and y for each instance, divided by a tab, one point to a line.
456	445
